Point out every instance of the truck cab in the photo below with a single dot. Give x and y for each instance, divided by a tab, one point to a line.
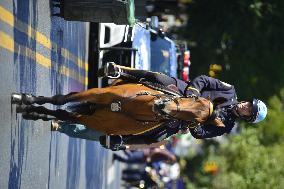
140	47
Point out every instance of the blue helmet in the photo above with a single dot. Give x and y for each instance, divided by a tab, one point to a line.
259	111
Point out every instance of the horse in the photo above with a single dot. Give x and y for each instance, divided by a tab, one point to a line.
120	109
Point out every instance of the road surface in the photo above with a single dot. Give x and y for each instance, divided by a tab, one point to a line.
45	55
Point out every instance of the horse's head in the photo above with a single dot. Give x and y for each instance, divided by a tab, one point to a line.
189	109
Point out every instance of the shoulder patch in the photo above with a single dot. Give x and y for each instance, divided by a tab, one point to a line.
226	84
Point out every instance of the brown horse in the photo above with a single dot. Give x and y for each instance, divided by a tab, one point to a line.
120	109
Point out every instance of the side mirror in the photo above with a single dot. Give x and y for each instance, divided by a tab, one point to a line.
154	23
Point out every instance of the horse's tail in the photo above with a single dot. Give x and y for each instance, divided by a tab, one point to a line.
84	108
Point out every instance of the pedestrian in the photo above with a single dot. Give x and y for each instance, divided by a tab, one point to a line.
75	130
145	177
147	155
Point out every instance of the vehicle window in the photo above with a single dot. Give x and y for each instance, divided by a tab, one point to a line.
163	56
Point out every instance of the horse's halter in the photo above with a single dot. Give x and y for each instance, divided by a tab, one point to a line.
175	99
160	104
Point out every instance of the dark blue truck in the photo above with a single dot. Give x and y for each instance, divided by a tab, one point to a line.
139	46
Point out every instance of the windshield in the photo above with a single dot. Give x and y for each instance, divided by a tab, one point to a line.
163	56
154	53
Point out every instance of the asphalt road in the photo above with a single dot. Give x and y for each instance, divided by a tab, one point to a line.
45	55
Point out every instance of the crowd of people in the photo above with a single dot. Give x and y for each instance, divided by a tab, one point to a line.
150	168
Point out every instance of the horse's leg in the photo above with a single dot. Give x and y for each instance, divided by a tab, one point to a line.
40	111
100	95
37	116
95	95
28	99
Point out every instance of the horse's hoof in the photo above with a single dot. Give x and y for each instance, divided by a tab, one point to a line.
22	98
16	98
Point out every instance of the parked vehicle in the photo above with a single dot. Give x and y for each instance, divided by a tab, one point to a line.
183	59
140	46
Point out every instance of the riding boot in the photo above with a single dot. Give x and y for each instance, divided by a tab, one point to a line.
114	71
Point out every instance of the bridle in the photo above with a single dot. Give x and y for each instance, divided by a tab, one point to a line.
160	103
168	116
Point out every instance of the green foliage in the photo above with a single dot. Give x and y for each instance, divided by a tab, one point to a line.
252	159
271	130
246	37
249	164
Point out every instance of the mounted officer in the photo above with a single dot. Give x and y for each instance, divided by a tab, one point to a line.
227	109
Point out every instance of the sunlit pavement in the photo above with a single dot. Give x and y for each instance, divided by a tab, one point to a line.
45	55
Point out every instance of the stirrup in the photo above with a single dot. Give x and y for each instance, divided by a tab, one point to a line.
111	70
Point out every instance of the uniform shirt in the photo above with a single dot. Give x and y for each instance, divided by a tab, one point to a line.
212	89
223	97
208	131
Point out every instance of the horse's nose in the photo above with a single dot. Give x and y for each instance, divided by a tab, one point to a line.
159	106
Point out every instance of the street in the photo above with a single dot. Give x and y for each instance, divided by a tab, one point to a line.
45	55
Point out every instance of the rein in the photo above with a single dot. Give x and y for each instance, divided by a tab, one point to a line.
161	103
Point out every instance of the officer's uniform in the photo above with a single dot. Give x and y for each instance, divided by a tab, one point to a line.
224	98
221	94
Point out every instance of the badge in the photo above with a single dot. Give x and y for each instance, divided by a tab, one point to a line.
115	106
226	84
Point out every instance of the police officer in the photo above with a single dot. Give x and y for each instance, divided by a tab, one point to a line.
227	108
223	95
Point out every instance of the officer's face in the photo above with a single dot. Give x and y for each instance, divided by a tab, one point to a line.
244	109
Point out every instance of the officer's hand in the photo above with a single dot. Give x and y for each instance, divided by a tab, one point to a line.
192	91
218	122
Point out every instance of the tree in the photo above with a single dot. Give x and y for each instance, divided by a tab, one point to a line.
245	37
251	159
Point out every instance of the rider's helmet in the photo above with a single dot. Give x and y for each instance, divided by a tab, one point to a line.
259	111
